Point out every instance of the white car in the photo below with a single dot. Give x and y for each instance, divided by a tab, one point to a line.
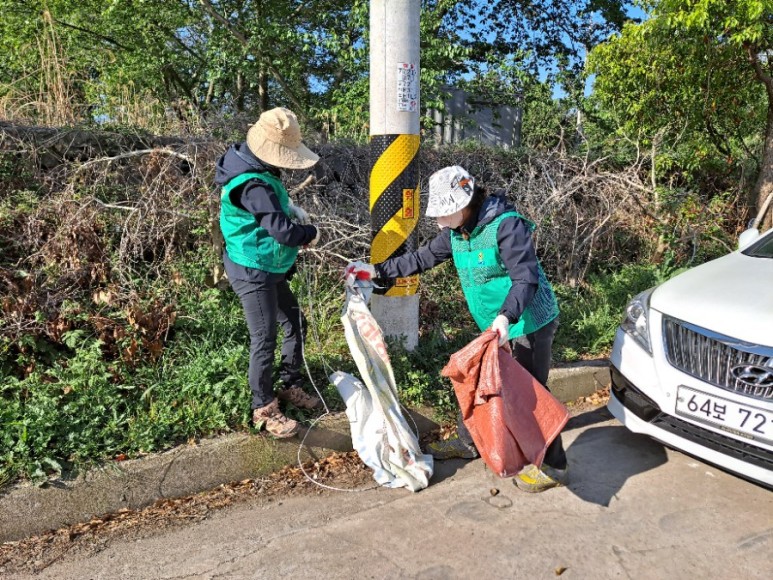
692	363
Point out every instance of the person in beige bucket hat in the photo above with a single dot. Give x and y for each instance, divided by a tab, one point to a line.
263	231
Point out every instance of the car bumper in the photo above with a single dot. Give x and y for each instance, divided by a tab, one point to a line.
641	414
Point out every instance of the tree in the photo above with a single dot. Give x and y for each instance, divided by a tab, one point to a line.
223	55
226	57
696	75
100	48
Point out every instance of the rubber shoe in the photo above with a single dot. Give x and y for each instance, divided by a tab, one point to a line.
272	420
298	397
534	480
453	448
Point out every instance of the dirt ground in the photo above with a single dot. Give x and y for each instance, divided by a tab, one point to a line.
34	554
339	470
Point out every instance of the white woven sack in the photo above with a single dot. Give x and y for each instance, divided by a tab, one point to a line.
380	434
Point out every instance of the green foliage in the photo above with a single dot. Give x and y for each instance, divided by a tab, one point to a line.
85	407
165	66
741	22
417	374
446	326
591	314
684	83
545	119
694	230
117	347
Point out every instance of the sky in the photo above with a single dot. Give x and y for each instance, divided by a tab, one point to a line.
633	12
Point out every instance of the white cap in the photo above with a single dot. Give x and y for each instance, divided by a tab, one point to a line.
450	190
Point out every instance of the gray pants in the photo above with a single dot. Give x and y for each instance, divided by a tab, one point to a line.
265	305
534	353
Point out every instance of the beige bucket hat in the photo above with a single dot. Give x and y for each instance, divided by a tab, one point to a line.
276	139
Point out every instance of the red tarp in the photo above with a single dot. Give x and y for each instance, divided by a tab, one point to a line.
512	418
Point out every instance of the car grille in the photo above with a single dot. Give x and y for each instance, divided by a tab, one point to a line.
711	357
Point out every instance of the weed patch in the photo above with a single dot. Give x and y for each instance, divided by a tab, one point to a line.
591	313
116	340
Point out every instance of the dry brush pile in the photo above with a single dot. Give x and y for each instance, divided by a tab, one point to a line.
107	238
117	340
84	242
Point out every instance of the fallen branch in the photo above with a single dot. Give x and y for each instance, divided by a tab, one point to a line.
132	154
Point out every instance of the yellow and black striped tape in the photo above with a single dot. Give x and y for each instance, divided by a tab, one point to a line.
394	203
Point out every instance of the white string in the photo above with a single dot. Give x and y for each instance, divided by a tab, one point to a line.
313	384
328	368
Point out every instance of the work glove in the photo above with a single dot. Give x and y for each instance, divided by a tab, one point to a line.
501	326
360	270
299	214
315	241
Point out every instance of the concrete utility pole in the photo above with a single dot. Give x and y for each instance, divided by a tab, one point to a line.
394	147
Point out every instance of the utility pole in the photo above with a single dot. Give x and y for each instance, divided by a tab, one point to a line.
394	148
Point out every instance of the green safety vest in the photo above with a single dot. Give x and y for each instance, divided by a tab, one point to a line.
246	242
486	283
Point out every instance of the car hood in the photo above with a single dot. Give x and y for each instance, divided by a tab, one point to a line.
732	295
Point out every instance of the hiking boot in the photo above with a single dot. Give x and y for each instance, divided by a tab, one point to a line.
274	421
534	480
452	448
298	397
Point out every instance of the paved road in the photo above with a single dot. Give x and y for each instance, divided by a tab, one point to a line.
633	510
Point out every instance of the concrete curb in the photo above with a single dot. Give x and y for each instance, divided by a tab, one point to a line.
570	382
27	510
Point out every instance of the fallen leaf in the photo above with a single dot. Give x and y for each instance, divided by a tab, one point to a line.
102	297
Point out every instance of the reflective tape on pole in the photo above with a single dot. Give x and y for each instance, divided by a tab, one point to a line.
394	203
394	144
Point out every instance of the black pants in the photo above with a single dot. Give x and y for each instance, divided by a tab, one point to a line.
533	352
265	305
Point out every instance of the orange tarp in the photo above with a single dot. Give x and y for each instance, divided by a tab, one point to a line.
512	418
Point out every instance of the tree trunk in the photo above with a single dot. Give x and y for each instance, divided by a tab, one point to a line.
764	186
239	92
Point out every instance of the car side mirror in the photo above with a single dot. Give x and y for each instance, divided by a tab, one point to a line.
747	237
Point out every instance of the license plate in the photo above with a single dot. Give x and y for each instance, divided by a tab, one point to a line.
744	420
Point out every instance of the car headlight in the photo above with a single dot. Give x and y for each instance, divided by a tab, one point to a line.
636	321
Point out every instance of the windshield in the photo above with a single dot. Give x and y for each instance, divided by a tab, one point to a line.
761	249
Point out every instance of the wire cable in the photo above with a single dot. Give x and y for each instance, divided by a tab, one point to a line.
307	281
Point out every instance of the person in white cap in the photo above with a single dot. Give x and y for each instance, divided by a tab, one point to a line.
505	287
263	231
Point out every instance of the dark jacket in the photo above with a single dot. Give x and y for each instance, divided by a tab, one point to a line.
258	198
515	248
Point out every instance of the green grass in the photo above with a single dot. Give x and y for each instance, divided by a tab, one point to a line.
79	406
84	407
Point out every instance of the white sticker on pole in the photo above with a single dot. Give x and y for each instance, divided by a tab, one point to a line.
407	87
